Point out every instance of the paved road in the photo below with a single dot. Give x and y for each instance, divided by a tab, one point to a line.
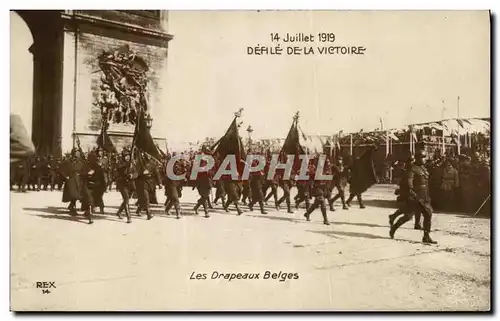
147	265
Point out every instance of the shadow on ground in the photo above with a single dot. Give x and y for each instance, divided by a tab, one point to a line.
350	234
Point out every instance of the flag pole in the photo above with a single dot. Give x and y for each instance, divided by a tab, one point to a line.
443	147
458	125
351	145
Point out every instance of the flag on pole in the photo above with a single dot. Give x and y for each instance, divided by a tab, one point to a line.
143	140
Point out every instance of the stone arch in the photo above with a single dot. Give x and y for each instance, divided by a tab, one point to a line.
47	52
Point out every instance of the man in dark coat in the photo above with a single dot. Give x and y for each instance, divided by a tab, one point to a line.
146	184
286	186
173	188
72	186
204	185
93	186
418	186
340	177
126	173
256	179
319	189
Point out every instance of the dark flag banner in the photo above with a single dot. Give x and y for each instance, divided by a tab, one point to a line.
292	146
105	143
144	141
231	144
363	173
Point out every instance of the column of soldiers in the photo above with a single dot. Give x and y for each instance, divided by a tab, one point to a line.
86	177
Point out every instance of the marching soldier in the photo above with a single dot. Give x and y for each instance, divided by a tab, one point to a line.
146	185
403	197
273	184
36	171
21	174
51	169
220	192
126	173
286	185
304	188
93	185
73	185
319	190
256	188
204	185
246	192
100	186
418	186
173	189
340	177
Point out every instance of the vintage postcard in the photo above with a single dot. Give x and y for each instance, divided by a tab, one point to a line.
264	160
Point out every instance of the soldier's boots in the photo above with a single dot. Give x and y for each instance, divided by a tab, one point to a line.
418	226
148	214
205	209
427	239
101	208
177	211
237	207
262	210
72	209
127	212
138	211
88	213
120	210
289	206
325	217
399	222
330	203
196	208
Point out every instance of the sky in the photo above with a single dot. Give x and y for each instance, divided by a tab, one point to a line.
413	61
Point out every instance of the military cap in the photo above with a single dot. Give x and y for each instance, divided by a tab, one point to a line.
420	154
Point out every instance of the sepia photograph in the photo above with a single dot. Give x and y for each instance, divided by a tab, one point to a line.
250	160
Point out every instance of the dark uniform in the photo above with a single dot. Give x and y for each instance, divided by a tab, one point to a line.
340	177
204	185
50	173
304	189
273	184
126	173
418	186
146	185
231	190
93	186
286	185
173	189
73	185
319	190
256	179
20	174
404	200
220	192
36	173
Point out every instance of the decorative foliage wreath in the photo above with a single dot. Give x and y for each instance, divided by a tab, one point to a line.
123	86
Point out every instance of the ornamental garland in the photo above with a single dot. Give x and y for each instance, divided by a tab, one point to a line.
123	86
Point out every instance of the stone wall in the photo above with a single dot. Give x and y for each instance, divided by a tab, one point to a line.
84	41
